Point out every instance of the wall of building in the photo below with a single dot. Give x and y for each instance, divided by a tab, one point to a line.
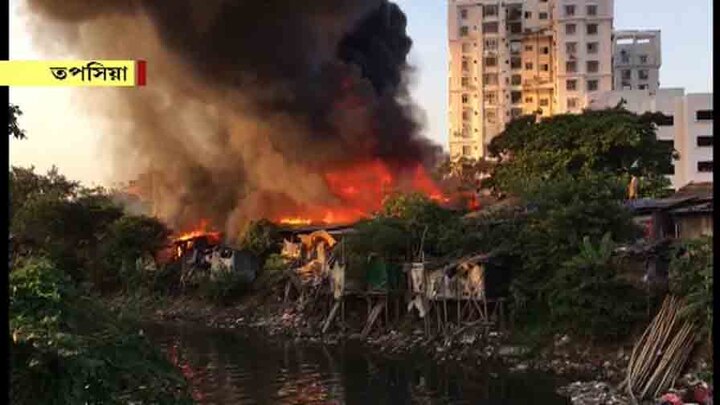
573	36
636	60
696	127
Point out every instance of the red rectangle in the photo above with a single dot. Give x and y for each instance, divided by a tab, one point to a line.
140	72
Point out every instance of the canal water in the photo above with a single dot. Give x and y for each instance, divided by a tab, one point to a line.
247	367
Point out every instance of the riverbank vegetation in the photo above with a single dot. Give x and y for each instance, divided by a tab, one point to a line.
561	183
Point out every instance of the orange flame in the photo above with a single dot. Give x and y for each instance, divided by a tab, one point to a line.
360	191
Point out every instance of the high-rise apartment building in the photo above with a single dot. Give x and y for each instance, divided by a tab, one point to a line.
636	60
514	57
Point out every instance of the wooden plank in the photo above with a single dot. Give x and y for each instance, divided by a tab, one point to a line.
372	317
333	313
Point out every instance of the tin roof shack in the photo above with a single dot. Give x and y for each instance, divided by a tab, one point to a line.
685	215
694	219
203	254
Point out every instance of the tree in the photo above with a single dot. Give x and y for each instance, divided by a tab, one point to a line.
14	129
613	141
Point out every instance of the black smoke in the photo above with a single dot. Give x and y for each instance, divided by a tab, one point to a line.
324	81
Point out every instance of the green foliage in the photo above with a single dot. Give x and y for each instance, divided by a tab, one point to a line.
222	287
260	238
612	141
14	129
65	349
691	277
127	240
407	224
275	263
549	243
586	297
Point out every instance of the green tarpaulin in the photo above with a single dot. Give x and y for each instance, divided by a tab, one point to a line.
383	275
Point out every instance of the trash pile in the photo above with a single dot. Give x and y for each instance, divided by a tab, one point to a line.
593	393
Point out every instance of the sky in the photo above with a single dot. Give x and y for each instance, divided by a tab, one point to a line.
62	133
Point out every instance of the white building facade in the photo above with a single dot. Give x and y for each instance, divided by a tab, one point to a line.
515	57
636	60
689	127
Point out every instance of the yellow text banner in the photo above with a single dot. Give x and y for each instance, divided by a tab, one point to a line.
73	73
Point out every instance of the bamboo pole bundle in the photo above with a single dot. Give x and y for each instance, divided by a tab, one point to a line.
661	352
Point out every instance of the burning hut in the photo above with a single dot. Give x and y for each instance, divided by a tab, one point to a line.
203	251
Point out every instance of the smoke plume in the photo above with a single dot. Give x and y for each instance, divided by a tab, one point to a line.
249	102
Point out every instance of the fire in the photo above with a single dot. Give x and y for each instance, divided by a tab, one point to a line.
360	191
200	230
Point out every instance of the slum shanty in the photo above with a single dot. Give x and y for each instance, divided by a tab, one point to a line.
442	294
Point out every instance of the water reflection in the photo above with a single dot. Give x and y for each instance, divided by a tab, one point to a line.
244	367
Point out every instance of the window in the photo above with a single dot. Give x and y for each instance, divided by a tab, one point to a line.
704	140
490	61
624	58
642	86
491	44
489	11
515	46
490	97
668	143
465	98
466	130
592	10
515	28
516	112
544	102
529	48
490	79
516	80
465	82
463	13
625	74
528	14
571	47
643	59
570	67
592	47
666	121
466	115
593	66
642	74
463	31
543	16
490	27
705	166
515	62
546	50
592	29
467	150
571	85
465	66
490	116
528	66
572	102
466	47
570	29
570	10
515	97
545	67
592	85
704	115
528	100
